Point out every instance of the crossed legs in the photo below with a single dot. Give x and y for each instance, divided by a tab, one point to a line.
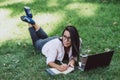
36	33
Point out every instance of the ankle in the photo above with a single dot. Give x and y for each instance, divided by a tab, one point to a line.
29	25
37	27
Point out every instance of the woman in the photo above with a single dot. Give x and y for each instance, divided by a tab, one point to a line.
64	50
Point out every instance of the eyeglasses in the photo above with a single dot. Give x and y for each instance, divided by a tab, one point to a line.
66	38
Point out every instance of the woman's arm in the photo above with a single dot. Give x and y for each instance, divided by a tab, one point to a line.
71	63
62	67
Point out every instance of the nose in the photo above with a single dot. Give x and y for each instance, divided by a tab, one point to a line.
67	40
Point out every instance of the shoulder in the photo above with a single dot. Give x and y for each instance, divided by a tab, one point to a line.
53	43
57	40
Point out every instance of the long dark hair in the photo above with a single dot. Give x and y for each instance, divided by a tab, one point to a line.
75	41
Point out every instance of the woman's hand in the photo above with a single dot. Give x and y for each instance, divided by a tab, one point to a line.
62	67
71	63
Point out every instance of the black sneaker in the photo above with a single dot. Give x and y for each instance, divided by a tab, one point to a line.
27	19
28	12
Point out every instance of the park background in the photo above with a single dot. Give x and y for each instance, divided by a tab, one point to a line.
98	23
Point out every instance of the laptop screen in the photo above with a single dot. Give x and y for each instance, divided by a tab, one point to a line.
98	60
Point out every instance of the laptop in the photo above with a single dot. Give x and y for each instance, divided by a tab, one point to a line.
94	61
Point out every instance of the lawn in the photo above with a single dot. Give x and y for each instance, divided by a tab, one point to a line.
98	23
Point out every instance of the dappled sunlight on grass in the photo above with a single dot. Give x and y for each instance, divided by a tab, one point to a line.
93	21
4	14
14	28
9	2
52	3
83	9
49	20
8	26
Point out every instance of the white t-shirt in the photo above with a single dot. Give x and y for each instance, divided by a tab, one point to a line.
54	50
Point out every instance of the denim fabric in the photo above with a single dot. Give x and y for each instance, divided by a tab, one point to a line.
39	38
40	43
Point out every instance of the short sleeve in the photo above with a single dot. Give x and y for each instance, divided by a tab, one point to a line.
51	57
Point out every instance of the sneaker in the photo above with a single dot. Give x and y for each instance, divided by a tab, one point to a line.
28	12
27	19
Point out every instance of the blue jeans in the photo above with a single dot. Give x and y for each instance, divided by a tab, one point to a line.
39	38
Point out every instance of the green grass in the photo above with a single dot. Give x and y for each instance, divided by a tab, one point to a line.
98	23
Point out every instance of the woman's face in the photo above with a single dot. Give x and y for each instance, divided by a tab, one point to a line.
66	39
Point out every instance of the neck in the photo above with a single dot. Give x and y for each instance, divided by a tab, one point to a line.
67	49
